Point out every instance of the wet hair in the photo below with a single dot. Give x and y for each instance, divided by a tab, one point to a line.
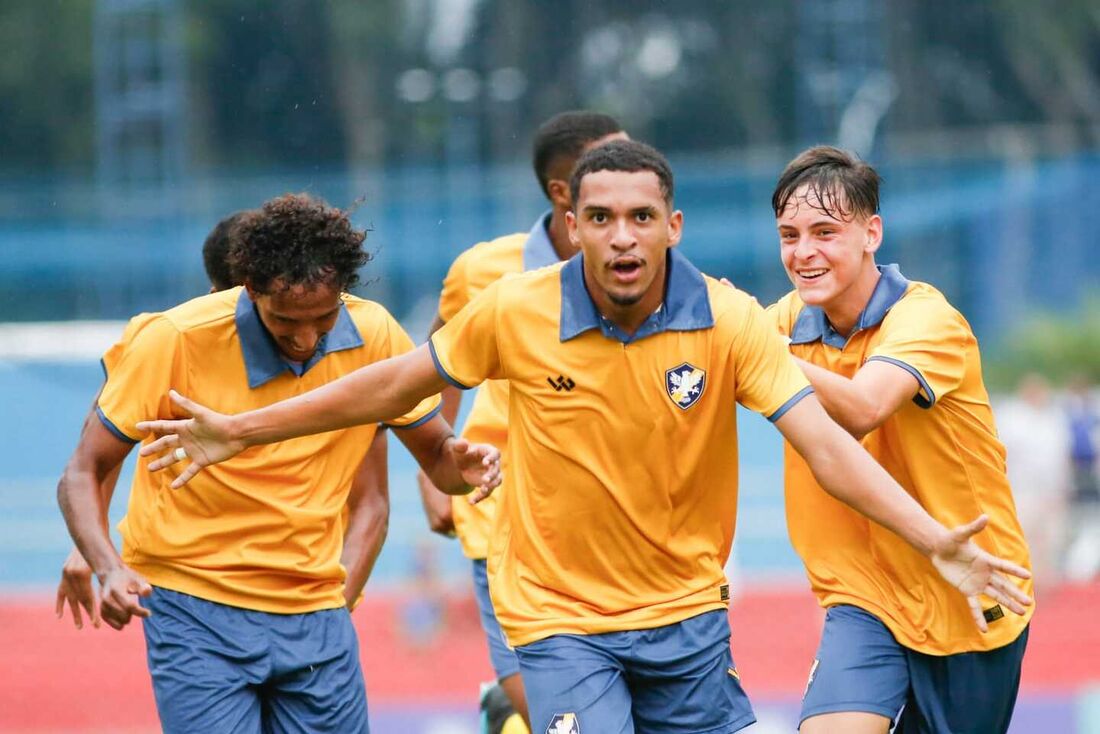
564	137
837	182
215	252
299	240
623	155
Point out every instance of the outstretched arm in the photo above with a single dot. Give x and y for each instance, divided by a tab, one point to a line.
861	404
848	473
373	394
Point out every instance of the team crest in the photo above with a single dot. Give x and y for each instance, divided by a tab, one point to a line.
685	384
564	724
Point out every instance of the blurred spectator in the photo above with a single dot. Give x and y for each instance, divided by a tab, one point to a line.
1083	558
423	616
1033	430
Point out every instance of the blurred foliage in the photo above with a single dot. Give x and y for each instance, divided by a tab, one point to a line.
279	83
1058	346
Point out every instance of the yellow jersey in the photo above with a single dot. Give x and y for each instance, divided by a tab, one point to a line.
263	530
941	447
619	508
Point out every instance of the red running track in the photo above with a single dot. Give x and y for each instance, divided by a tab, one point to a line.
55	678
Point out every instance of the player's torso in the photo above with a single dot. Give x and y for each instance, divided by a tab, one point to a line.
622	489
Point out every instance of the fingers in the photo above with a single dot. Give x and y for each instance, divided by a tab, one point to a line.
963	533
78	619
1010	568
977	613
1005	592
161	428
186	475
188	405
479	494
460	446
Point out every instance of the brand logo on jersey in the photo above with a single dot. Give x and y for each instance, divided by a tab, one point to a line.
685	384
564	724
993	613
562	383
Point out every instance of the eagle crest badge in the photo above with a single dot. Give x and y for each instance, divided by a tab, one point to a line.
685	384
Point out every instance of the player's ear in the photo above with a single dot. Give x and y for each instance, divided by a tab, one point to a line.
558	192
874	234
571	228
675	228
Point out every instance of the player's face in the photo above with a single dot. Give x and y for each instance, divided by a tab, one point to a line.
298	317
825	254
624	226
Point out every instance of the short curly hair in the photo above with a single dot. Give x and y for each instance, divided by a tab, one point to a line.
296	239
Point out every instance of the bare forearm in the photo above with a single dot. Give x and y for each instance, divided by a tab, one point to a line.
848	473
85	513
841	398
373	394
362	544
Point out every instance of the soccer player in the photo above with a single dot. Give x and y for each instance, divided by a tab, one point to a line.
238	578
624	364
898	367
558	143
75	586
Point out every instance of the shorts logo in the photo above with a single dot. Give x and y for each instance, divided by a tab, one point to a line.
685	384
564	724
810	680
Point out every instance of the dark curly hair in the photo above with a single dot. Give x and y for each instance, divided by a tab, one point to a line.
299	240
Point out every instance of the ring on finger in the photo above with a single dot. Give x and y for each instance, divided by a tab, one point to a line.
180	453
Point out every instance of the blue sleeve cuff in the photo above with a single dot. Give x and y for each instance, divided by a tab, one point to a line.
419	421
113	428
790	403
928	399
442	372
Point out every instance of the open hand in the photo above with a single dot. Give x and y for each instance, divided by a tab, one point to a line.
975	572
479	464
76	589
206	438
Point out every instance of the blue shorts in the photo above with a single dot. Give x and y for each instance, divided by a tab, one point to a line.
678	678
501	656
218	668
861	667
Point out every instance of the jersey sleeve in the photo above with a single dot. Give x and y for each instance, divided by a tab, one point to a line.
455	293
466	350
768	379
115	351
140	372
927	338
400	343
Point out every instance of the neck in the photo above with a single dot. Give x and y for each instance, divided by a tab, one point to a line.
628	318
843	312
559	234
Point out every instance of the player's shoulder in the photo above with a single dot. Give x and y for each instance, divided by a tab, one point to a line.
364	312
924	305
785	311
212	311
728	303
494	258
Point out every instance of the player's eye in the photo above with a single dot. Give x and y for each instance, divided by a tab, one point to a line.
599	218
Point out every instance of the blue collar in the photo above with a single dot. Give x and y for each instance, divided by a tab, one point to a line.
538	250
262	360
686	306
812	325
